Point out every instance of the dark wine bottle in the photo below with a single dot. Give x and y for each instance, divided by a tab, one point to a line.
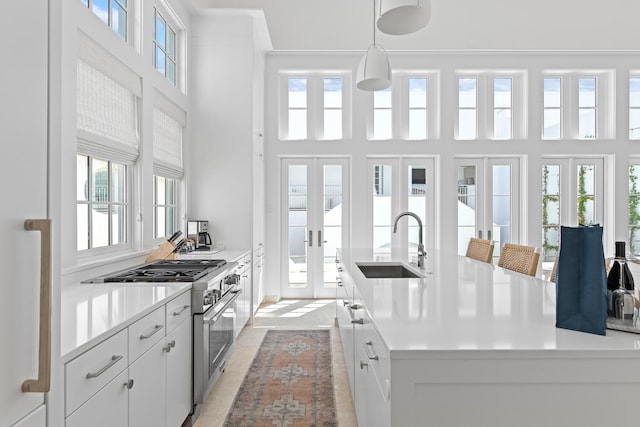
613	279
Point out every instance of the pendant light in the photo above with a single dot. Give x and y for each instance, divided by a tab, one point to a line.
374	71
400	17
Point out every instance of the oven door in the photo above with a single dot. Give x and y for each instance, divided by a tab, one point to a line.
218	326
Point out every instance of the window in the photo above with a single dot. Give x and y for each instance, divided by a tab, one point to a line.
102	203
586	196
634	108
552	100
634	209
587	107
164	47
381	207
111	12
502	104
467	108
165	209
417	108
297	108
332	108
382	118
550	211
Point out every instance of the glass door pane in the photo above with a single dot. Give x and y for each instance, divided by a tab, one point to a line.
297	229
332	221
382	192
501	224
467	206
416	203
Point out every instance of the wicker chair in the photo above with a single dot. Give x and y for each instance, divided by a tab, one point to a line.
553	270
481	250
520	258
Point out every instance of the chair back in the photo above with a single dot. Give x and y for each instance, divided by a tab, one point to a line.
479	249
520	258
553	271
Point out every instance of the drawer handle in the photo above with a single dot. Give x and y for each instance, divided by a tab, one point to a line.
178	313
150	334
355	307
366	350
363	365
129	384
345	302
359	321
114	359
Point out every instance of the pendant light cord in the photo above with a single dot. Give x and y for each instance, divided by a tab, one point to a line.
374	22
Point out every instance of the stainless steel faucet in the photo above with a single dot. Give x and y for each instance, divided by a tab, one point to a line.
421	252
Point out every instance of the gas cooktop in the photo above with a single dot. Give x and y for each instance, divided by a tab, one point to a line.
188	270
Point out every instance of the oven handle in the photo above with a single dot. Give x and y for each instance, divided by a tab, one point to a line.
211	319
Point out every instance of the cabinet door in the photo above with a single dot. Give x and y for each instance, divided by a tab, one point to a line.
23	120
147	397
107	408
178	398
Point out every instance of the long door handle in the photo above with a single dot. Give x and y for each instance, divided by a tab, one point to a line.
320	241
489	234
43	383
479	234
310	241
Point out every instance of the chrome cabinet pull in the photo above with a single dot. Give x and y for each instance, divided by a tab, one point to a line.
320	241
366	350
358	321
129	385
114	359
178	313
355	307
152	333
310	241
345	302
42	384
172	343
363	364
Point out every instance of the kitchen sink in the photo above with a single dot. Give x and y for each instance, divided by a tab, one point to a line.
387	270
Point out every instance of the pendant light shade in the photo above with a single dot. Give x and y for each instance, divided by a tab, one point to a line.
374	71
400	17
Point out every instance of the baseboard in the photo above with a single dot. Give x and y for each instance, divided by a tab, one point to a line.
271	299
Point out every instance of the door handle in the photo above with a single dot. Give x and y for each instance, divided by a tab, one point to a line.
310	241
479	234
43	383
489	234
320	241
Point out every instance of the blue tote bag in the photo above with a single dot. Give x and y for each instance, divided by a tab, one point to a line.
581	281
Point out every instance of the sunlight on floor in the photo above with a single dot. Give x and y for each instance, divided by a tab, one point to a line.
283	309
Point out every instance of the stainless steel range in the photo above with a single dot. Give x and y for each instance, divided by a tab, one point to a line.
213	300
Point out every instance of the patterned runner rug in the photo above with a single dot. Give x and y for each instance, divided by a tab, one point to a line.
289	383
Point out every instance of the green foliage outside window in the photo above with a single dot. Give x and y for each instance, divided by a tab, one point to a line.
634	203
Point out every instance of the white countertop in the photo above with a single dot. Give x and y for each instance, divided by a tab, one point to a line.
93	312
467	305
216	253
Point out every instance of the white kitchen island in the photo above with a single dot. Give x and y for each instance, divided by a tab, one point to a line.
473	344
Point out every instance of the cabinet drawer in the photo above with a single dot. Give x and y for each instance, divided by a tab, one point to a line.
88	373
378	355
178	310
107	408
146	332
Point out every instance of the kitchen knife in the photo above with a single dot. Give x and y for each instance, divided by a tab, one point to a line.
174	236
180	244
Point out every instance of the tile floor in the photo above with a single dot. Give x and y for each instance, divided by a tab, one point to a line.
286	314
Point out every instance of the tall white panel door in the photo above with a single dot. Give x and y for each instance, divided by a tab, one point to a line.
23	149
488	201
315	220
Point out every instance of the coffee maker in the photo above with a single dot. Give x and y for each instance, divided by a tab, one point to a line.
198	231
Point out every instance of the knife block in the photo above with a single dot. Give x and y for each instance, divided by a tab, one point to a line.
165	251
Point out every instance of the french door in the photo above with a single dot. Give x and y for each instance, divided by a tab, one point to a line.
488	201
315	218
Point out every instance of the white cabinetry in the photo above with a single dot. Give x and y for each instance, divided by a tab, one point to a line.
23	120
257	280
141	376
243	303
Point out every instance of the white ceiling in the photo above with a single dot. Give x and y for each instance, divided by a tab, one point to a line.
455	24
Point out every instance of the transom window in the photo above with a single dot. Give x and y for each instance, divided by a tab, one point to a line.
467	108
382	117
418	120
102	205
332	108
111	12
165	206
634	108
502	107
164	47
552	101
587	108
297	102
